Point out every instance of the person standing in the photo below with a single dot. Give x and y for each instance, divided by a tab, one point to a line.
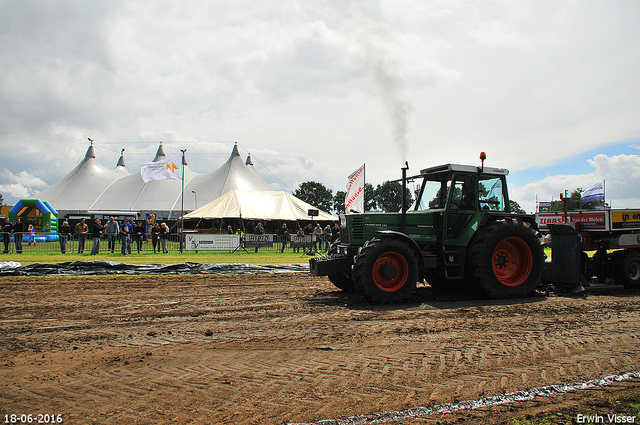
335	235
32	234
155	235
317	236
130	227
164	237
327	237
63	236
138	234
258	230
124	237
18	233
296	246
96	233
112	229
7	229
81	230
308	230
284	235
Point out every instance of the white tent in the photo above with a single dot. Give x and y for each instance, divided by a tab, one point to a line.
79	189
233	174
258	204
91	188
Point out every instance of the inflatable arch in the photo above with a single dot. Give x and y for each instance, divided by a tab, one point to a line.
49	214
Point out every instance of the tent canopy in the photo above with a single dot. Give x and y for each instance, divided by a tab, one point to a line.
258	205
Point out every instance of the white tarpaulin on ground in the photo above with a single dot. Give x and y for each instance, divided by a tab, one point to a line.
258	204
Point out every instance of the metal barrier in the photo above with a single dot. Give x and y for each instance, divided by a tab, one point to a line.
41	242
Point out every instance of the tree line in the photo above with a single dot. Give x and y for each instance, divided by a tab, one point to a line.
574	202
385	197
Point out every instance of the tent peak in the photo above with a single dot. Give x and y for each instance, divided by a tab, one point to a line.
91	153
248	162
159	154
121	162
235	152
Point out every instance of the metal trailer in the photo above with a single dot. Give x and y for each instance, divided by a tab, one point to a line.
612	235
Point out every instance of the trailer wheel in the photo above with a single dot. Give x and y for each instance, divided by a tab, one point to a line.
385	271
628	272
505	259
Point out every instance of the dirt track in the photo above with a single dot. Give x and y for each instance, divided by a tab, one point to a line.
290	348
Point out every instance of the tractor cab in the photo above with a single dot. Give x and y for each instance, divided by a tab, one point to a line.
459	195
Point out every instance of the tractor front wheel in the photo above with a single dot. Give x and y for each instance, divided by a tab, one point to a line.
385	270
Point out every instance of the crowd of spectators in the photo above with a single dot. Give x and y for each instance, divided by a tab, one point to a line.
130	234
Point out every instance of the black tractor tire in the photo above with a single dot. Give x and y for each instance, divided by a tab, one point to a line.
341	281
627	271
505	259
385	271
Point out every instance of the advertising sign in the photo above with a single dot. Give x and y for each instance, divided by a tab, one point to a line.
625	219
590	220
301	241
251	241
212	242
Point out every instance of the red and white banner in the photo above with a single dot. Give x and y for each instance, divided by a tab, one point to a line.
354	201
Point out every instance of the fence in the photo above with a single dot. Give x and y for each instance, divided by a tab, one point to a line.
41	242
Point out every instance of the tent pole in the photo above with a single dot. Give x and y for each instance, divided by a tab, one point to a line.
182	210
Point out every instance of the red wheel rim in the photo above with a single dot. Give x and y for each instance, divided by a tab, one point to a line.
390	271
512	261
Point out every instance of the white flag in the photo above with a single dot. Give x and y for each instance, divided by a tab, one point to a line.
168	168
594	193
354	201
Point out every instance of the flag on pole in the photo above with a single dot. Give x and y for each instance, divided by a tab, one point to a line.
594	193
354	200
167	168
496	190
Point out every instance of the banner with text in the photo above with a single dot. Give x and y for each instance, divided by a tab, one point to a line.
251	241
354	200
212	242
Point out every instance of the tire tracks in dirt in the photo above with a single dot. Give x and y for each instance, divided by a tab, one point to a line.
287	348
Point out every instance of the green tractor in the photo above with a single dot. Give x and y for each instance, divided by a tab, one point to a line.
460	232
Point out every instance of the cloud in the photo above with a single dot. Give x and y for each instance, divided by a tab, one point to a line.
338	83
20	186
621	174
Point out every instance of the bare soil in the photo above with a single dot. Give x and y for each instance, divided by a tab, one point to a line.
274	349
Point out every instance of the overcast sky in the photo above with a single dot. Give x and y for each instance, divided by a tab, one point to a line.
313	89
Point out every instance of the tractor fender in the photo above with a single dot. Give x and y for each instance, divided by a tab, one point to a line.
404	238
526	218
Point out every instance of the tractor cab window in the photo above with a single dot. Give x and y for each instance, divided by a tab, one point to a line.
464	194
491	194
433	195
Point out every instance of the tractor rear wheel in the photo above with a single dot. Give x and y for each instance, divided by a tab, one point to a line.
505	259
385	270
